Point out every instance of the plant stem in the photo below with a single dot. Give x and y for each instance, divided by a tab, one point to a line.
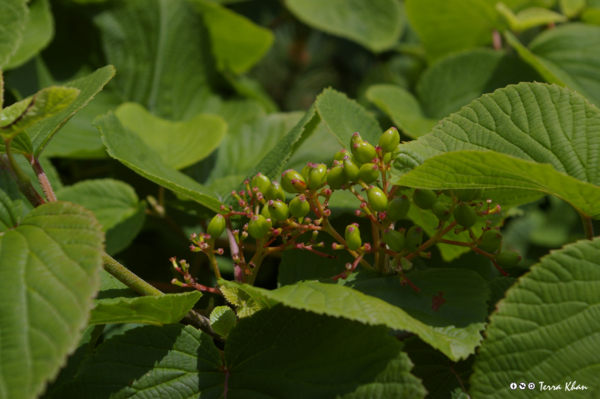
24	185
213	261
43	179
587	225
128	278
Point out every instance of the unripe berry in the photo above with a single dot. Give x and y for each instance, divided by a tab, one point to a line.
387	158
274	192
394	239
424	199
299	206
464	215
350	169
377	199
258	227
508	259
278	210
368	173
216	227
336	177
353	241
265	212
363	152
414	238
340	155
260	181
304	171
389	139
441	211
317	174
398	208
292	181
465	194
356	138
490	240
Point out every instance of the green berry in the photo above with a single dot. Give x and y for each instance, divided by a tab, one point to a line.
279	210
274	192
363	152
336	177
299	206
261	181
258	227
398	208
317	175
377	199
465	194
424	199
394	239
216	227
414	238
222	320
441	211
490	240
356	138
340	155
389	140
464	215
304	171
292	182
353	241
265	212
368	173
350	169
508	259
387	158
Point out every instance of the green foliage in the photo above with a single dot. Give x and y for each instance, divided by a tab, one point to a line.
13	19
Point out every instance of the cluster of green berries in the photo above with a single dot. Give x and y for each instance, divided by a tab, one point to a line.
363	170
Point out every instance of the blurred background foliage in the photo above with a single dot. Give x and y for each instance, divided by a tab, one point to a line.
212	86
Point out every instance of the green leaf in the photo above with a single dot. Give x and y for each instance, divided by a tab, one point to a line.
168	68
179	144
343	117
247	302
487	169
49	274
110	288
128	148
402	107
155	310
498	287
571	8
531	121
567	56
438	375
546	328
122	235
445	27
464	294
376	25
332	357
150	361
237	42
222	320
42	105
529	17
340	301
13	18
38	32
89	86
10	209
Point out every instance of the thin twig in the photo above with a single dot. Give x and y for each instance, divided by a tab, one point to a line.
42	178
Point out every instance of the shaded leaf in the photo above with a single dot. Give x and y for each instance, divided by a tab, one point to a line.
49	274
247	302
529	17
13	18
10	208
546	328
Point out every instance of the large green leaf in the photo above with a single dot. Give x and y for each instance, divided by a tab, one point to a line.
151	362
46	103
13	18
49	274
343	117
179	144
546	329
449	26
39	30
89	86
127	147
340	301
330	358
529	17
532	121
488	169
155	310
116	206
237	42
10	203
567	56
375	25
162	53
